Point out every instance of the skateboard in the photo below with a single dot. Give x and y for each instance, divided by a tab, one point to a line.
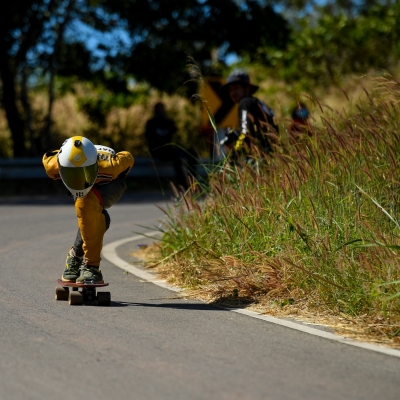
87	293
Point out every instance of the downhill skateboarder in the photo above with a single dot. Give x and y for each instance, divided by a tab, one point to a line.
95	177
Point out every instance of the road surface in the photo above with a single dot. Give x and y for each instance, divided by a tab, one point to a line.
150	344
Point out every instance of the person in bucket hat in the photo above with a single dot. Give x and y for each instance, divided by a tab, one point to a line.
256	119
240	77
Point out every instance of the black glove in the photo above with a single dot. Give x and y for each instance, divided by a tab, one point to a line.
51	153
231	137
124	174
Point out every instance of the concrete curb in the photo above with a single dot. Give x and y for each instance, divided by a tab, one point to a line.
110	254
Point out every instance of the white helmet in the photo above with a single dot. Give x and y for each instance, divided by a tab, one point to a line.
77	163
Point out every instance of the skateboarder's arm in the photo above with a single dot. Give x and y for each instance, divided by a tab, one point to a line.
119	164
51	165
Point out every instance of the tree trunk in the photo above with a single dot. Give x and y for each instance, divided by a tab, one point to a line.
28	112
48	139
9	100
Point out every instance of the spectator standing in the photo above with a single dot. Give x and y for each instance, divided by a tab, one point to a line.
159	132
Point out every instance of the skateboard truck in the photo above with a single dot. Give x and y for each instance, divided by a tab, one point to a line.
87	293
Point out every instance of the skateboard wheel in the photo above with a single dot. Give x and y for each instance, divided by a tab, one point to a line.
103	298
61	293
75	298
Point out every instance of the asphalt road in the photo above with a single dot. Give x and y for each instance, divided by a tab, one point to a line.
150	344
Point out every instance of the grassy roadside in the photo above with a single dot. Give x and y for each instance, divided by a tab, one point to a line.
311	233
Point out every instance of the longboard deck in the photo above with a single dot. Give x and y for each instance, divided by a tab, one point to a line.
81	285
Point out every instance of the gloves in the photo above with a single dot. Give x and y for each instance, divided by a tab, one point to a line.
231	137
124	173
239	142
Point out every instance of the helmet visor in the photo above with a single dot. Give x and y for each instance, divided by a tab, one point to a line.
79	178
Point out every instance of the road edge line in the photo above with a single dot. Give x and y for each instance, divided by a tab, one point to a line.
110	254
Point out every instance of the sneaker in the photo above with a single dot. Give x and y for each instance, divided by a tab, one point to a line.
90	275
72	265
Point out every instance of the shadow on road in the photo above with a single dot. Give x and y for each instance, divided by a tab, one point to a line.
178	306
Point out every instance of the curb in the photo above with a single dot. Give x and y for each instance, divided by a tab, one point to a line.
110	254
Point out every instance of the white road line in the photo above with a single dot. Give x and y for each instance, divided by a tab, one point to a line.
110	254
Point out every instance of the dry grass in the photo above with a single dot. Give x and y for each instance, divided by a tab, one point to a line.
311	232
344	98
361	328
123	128
68	120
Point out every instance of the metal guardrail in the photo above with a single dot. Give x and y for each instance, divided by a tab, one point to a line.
22	168
144	167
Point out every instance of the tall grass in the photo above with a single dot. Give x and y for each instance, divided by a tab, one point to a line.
123	127
315	222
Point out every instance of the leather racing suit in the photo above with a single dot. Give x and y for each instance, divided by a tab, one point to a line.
93	219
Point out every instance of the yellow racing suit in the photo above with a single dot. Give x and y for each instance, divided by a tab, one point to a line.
93	219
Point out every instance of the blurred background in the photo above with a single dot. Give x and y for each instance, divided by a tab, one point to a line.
97	67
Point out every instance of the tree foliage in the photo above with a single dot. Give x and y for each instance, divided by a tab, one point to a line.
164	33
326	46
31	36
112	43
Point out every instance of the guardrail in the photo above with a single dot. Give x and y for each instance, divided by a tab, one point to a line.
145	167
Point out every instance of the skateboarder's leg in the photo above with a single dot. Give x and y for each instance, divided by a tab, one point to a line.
93	221
110	194
77	248
92	226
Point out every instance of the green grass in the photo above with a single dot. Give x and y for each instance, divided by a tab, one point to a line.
317	222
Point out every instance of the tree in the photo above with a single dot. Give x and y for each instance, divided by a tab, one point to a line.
32	35
21	24
325	46
164	33
43	38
